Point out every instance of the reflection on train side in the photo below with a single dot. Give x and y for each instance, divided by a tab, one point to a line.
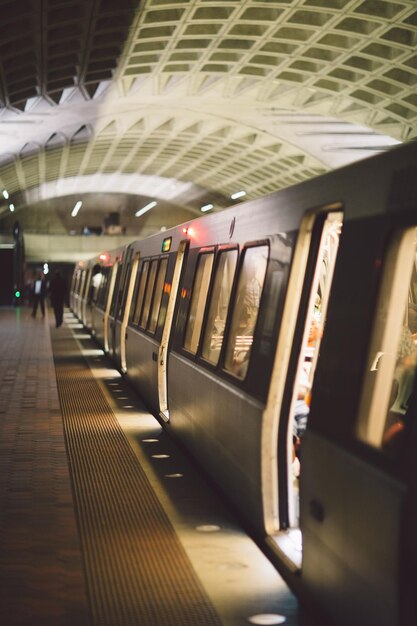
245	313
219	306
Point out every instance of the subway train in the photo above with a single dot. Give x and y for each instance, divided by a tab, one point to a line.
276	341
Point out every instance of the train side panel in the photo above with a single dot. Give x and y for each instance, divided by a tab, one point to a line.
205	415
345	555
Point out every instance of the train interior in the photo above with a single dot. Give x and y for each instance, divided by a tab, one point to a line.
324	245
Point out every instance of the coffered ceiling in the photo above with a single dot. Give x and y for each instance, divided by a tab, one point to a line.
186	102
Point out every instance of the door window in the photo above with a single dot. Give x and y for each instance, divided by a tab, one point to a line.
143	276
159	289
392	360
148	295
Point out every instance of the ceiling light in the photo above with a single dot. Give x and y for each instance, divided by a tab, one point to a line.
5	194
207	207
238	194
76	208
147	207
11	207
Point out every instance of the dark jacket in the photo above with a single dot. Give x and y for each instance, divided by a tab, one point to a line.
57	290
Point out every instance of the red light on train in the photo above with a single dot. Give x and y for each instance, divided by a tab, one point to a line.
104	257
188	231
167	288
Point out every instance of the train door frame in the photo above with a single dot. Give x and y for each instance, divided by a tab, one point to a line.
72	288
92	298
108	304
275	469
84	300
166	333
126	312
76	291
82	289
114	306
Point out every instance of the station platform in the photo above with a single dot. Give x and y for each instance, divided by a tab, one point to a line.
104	520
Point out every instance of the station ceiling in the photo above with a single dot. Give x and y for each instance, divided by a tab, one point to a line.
186	102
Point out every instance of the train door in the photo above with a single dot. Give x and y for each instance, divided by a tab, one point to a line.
163	347
72	289
366	539
81	294
77	292
125	309
99	306
120	303
108	304
96	277
114	307
84	299
298	350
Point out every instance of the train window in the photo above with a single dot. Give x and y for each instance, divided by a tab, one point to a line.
83	283
73	281
123	289
219	306
102	293
95	283
116	289
78	283
141	291
246	309
198	302
148	295
392	361
159	288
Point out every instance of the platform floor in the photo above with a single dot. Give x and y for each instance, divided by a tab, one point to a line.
103	520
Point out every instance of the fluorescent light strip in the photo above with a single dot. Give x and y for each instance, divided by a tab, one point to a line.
76	208
5	194
238	194
147	207
207	207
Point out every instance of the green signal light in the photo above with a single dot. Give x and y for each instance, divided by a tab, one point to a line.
17	294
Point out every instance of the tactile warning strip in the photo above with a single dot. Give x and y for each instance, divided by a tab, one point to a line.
137	570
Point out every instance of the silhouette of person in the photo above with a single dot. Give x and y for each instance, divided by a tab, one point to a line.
58	291
38	294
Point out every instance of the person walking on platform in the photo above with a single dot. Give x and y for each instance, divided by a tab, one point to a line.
58	291
38	294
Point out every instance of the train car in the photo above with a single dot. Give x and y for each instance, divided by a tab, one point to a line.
276	341
103	296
